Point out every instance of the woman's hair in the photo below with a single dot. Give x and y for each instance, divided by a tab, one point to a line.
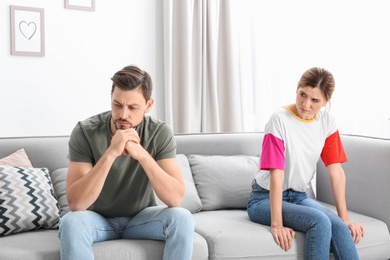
318	78
132	77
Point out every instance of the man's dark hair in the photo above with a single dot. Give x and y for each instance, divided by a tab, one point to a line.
132	77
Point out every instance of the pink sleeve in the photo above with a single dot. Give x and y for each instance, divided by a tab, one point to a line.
272	155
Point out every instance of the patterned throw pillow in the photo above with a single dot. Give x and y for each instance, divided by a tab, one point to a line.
27	200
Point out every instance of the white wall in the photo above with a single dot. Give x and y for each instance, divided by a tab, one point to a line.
48	95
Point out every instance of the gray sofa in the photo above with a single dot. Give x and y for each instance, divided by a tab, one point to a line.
218	170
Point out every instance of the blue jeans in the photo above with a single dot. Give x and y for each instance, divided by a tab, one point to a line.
325	231
80	229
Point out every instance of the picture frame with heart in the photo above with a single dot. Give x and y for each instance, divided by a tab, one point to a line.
27	31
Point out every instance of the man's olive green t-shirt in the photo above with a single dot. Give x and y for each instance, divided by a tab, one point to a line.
127	189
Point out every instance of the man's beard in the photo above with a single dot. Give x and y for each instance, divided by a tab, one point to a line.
122	127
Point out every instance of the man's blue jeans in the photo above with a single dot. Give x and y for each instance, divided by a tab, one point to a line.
324	229
80	229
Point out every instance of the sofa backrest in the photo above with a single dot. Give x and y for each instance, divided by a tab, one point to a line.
367	170
52	151
44	151
220	143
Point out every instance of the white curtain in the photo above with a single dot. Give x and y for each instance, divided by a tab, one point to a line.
230	63
205	76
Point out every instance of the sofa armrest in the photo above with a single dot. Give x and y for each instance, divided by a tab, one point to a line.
368	177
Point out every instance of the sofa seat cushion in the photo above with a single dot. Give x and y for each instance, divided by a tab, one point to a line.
143	249
33	245
230	234
376	243
45	245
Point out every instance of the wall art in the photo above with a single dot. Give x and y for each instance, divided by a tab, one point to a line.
86	5
27	31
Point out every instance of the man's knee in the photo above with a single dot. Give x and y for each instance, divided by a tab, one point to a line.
183	218
71	219
76	222
68	222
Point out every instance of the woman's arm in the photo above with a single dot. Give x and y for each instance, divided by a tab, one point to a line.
338	183
282	235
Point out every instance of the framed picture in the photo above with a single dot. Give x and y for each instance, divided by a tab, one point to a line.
86	5
27	31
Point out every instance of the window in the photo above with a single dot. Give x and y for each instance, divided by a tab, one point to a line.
279	40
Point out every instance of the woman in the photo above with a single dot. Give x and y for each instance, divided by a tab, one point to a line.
296	136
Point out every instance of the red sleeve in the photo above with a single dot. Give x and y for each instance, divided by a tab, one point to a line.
333	151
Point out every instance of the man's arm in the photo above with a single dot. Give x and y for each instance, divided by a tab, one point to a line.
85	182
164	175
167	181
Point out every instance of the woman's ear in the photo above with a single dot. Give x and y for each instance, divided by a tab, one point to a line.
326	103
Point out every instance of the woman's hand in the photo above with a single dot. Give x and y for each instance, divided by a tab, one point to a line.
357	231
283	236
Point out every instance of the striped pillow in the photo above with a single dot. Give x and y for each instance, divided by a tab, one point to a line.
27	200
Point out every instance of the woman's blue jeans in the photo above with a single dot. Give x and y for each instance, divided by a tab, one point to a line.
80	229
325	231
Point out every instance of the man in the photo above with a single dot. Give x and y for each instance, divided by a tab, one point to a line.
117	159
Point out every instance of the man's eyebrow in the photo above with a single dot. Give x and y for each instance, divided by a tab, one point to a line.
129	105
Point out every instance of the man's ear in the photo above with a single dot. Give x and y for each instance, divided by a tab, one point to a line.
149	105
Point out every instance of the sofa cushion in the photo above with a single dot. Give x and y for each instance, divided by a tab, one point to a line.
191	200
230	234
18	158
27	200
45	245
223	181
143	249
58	177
